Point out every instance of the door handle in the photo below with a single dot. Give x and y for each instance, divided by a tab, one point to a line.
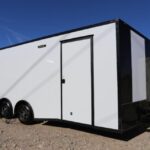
63	81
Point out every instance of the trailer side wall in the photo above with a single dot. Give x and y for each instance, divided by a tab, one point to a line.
31	72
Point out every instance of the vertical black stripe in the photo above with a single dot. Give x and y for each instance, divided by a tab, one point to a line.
147	53
125	64
128	111
124	69
92	79
61	98
118	77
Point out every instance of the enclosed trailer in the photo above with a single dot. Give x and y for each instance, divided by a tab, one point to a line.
97	76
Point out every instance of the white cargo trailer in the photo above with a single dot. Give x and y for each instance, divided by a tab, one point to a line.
95	75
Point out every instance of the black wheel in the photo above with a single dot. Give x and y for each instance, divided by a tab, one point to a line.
25	114
6	110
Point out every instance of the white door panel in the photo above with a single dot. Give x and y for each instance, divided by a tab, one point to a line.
76	70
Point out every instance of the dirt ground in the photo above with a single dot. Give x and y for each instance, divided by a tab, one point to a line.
51	136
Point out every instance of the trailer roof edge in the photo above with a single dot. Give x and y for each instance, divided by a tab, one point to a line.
132	28
73	30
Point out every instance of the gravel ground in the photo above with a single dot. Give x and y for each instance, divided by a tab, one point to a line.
16	136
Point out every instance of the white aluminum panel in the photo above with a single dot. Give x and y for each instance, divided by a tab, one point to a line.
76	70
105	71
138	67
33	74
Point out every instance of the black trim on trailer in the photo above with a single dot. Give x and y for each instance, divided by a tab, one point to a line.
61	81
133	102
97	129
118	72
148	68
92	79
76	39
125	63
133	29
125	77
92	72
131	113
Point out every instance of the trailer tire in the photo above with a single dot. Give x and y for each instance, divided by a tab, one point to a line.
6	110
25	114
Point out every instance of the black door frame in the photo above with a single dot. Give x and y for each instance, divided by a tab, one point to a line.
92	71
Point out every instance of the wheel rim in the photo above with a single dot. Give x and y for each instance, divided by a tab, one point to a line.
4	110
24	114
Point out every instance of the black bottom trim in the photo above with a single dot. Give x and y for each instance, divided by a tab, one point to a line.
117	134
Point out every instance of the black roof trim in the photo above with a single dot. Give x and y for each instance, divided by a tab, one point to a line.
73	30
132	28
